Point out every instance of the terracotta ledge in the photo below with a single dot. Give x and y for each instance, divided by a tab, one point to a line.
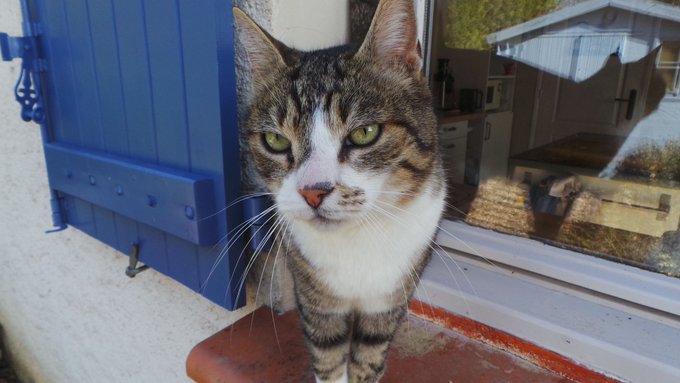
541	357
267	347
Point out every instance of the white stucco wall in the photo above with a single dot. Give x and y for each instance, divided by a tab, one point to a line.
307	25
68	312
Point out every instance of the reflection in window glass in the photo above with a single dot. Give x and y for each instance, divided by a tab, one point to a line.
561	122
668	66
470	21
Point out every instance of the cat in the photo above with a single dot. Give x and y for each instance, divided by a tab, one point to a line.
346	141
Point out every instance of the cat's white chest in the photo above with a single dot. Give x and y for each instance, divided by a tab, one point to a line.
366	262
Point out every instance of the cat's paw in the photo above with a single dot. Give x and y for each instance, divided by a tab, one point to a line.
342	379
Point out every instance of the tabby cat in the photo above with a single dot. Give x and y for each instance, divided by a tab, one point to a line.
346	140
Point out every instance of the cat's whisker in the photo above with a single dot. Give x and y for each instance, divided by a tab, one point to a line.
245	246
239	226
263	242
403	289
245	272
244	226
234	202
266	261
410	272
416	279
442	230
413	273
255	254
232	240
472	249
410	194
271	288
444	261
458	210
453	278
264	268
380	230
373	225
276	240
240	230
396	219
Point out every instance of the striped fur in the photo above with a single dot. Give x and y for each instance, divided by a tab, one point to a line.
355	258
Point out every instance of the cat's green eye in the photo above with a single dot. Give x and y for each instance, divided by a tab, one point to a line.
365	135
276	142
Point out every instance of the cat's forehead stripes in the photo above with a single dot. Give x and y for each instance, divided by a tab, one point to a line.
320	166
315	78
314	85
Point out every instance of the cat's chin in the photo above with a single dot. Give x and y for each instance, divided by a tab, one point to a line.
325	223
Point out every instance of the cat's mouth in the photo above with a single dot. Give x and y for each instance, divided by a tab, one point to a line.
328	220
325	221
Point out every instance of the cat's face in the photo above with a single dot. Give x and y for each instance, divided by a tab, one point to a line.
338	134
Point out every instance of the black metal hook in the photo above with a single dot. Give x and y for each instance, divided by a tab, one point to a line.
132	270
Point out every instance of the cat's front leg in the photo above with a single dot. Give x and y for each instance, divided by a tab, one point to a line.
371	337
327	336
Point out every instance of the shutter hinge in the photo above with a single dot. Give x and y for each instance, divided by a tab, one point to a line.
27	90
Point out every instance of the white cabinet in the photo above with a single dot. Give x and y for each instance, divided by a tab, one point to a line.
496	135
478	148
453	138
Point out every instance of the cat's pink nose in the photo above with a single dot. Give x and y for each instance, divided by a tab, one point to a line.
314	195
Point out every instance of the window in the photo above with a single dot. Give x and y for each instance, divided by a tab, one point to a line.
558	126
668	66
558	122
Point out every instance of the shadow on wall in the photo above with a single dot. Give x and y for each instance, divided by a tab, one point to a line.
7	374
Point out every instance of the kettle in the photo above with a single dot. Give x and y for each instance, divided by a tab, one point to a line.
470	100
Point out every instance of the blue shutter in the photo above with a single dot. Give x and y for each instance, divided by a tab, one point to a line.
140	128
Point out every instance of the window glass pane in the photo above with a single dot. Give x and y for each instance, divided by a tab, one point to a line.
560	121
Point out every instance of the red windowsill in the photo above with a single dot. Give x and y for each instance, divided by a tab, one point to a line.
267	347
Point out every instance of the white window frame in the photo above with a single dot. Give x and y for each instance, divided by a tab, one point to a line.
638	286
613	318
675	67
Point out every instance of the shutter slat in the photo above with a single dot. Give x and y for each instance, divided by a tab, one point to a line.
106	63
61	111
85	83
167	82
105	225
136	80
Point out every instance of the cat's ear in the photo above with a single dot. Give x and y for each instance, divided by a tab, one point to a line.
392	38
265	53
